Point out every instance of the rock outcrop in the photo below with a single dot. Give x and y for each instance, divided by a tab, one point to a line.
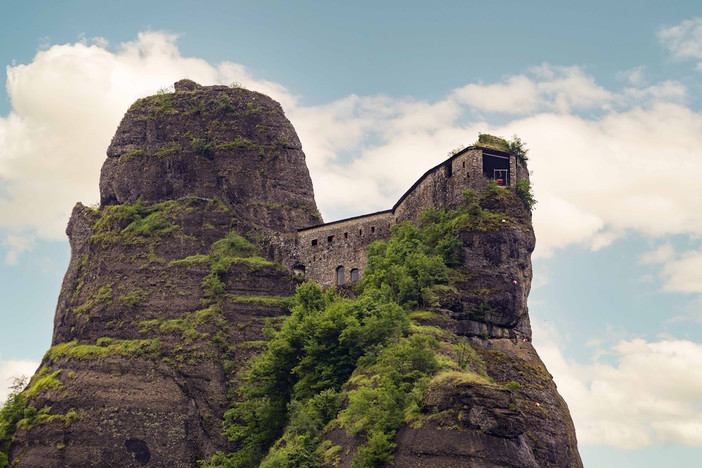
172	279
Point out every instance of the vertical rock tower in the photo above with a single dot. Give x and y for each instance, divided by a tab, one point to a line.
207	224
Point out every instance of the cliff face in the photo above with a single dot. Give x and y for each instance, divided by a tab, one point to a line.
212	142
172	279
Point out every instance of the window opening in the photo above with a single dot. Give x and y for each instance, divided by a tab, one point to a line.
340	275
330	239
314	242
496	168
449	169
354	275
372	229
346	235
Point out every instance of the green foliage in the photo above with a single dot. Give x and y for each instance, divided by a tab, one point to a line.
154	224
44	380
238	143
376	452
490	141
518	148
134	154
514	146
225	252
362	351
407	264
513	385
133	298
191	260
201	146
104	347
162	102
187	326
137	223
12	412
102	296
456	150
224	104
526	193
169	149
279	301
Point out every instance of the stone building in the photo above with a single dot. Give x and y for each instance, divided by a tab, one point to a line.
336	253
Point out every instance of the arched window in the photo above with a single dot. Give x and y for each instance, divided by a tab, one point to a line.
340	275
354	275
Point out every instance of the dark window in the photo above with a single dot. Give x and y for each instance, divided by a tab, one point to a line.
372	229
340	275
360	232
496	168
449	169
346	235
314	242
464	164
330	238
354	275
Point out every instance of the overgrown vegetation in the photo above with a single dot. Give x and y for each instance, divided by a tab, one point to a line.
12	412
358	364
137	223
16	414
526	193
514	146
103	348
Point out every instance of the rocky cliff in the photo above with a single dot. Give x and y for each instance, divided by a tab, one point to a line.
173	279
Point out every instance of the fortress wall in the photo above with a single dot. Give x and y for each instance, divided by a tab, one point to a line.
437	189
348	246
440	187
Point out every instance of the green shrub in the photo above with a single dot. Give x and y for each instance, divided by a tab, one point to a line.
361	351
201	146
513	385
526	193
133	298
11	413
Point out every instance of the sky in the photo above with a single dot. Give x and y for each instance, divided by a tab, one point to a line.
606	95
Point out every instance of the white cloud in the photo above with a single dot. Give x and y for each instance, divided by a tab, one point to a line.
11	370
684	40
679	271
14	246
663	253
650	395
628	168
560	89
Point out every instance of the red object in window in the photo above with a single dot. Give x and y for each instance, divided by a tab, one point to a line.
500	182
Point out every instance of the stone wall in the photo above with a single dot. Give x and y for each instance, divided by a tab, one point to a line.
320	250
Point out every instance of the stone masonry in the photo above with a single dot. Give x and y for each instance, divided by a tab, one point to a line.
321	252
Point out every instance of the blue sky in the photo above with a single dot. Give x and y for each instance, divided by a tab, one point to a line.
606	95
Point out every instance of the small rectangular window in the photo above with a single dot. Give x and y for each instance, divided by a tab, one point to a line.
464	164
346	235
314	242
372	229
360	232
330	239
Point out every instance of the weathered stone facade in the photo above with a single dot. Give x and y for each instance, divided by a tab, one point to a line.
320	252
